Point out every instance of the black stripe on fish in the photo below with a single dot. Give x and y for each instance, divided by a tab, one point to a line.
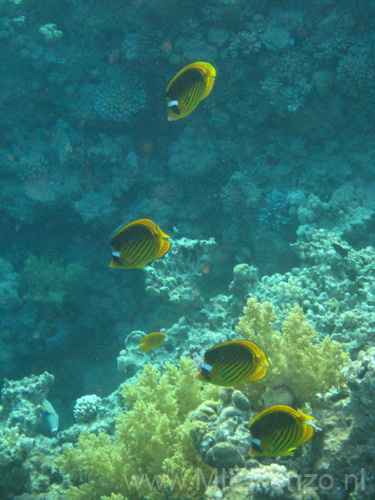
117	260
144	249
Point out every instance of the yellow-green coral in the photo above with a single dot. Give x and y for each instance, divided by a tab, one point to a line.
176	381
113	497
298	360
50	283
152	443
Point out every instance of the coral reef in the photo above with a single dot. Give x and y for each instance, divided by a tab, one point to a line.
276	168
227	442
94	206
323	81
86	408
15	449
266	482
293	350
21	402
240	191
274	214
191	155
244	43
25	456
50	33
119	99
276	37
51	283
333	287
177	277
354	74
346	444
160	448
9	297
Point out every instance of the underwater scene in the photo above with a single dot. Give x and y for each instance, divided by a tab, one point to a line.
187	250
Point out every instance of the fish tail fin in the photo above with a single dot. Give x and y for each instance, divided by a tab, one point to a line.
164	247
259	373
161	233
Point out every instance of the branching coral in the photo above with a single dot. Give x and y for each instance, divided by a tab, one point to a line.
152	442
298	361
120	98
355	74
86	408
245	43
177	276
274	213
270	481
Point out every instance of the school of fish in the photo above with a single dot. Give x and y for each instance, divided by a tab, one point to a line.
278	430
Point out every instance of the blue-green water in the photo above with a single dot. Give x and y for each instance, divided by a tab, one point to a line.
276	166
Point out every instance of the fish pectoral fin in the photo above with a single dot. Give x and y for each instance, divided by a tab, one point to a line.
161	233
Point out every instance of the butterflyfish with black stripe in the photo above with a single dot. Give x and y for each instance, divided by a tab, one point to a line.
188	88
278	430
137	244
228	364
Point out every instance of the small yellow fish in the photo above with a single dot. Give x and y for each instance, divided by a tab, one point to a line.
229	363
137	244
278	430
188	88
151	341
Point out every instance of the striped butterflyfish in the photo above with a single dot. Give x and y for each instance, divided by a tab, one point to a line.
229	363
137	244
278	430
188	88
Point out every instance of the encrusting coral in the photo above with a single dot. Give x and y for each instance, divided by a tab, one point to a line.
298	361
176	278
151	455
22	465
